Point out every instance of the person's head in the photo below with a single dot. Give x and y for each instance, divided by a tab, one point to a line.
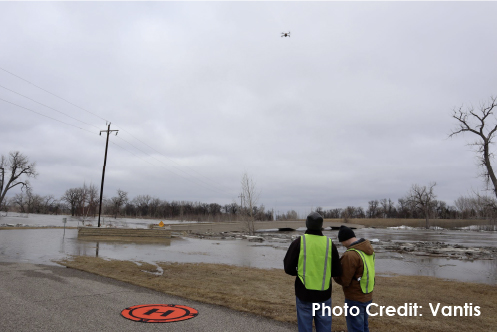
346	236
314	221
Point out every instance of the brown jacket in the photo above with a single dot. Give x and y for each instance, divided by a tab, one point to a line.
352	268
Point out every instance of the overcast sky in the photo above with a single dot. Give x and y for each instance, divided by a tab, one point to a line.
354	106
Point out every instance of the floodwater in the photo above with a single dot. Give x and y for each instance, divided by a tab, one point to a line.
43	246
14	219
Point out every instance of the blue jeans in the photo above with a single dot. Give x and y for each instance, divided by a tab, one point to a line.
304	316
357	323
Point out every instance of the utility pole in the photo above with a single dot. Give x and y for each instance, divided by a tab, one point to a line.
1	187
241	202
103	171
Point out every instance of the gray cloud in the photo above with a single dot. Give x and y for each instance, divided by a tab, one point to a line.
354	106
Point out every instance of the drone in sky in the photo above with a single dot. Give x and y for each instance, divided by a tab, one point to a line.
285	34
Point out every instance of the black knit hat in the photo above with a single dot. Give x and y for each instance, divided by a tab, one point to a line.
345	233
314	221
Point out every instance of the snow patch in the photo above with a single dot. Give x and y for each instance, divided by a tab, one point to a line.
401	227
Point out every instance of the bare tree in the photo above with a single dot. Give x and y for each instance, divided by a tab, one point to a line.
422	199
93	196
82	200
87	200
372	210
19	167
48	203
483	124
387	207
142	203
5	206
33	201
118	201
250	197
20	200
71	197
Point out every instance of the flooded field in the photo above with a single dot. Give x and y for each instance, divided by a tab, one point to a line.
45	245
17	219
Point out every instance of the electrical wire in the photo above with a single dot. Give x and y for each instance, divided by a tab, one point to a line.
69	124
213	186
67	101
196	183
167	157
17	93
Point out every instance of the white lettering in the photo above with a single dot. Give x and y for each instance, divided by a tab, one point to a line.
341	311
434	313
415	306
356	309
460	311
370	313
477	311
390	310
402	310
446	313
325	307
466	307
315	306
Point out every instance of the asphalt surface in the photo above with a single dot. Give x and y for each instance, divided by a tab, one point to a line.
52	298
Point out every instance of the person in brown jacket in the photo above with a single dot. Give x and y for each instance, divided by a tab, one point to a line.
353	271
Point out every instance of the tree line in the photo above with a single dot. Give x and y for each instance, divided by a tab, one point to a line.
479	207
83	201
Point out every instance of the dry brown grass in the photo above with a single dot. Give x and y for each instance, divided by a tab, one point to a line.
270	293
392	222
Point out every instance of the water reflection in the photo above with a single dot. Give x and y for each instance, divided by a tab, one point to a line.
41	246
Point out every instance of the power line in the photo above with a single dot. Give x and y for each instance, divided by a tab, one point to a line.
163	155
67	101
69	124
1	86
111	141
161	161
210	187
214	186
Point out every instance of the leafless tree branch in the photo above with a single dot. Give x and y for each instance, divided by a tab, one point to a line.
479	123
19	166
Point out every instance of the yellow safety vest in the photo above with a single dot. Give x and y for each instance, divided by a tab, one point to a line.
314	267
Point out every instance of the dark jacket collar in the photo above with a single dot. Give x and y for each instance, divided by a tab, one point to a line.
313	232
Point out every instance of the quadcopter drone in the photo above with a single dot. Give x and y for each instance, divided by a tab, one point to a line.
285	34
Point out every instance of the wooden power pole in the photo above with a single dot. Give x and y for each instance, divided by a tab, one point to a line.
1	186
103	171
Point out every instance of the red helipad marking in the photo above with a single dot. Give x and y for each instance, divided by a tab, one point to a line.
159	313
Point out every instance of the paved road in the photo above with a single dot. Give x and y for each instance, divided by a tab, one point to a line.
52	298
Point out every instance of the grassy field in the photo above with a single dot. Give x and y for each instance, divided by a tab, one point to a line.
270	293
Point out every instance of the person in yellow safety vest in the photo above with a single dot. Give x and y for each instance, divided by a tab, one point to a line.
313	259
357	280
